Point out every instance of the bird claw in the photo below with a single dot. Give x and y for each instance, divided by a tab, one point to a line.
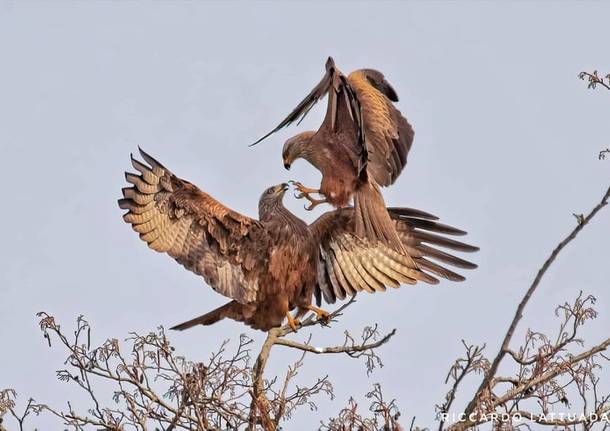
313	203
305	192
303	189
321	315
292	322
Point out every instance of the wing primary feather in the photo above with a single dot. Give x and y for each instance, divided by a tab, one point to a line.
126	204
432	226
307	103
147	173
411	212
439	270
446	257
444	242
338	287
341	274
157	168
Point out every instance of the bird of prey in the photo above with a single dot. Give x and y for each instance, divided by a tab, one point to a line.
271	266
361	145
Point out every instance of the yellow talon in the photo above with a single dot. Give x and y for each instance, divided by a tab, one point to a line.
292	322
321	314
305	192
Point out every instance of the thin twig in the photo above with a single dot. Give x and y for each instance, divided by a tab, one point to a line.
490	374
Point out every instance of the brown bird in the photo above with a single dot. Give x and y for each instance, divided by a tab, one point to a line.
270	266
361	145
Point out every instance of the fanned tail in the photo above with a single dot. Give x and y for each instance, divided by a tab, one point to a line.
231	310
372	220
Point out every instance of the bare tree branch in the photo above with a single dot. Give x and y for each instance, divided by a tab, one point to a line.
260	406
594	79
504	349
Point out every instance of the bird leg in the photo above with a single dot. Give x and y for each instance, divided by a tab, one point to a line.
292	322
305	192
321	314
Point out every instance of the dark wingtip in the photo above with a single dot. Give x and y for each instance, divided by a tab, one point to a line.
182	326
123	203
330	63
264	137
147	156
150	159
412	212
431	280
391	93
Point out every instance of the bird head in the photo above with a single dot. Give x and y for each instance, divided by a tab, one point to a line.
296	147
271	197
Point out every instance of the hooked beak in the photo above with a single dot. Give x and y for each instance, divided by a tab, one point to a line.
286	165
281	188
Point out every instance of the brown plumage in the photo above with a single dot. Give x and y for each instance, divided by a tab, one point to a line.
266	266
361	145
270	266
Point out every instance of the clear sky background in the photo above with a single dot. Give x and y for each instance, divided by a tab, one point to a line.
506	143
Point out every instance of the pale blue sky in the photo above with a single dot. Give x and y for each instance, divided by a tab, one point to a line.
506	142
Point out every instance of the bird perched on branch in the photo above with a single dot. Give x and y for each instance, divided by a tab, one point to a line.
361	145
273	265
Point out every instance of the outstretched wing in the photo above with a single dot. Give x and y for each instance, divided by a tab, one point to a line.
309	101
388	135
332	82
381	135
349	264
343	115
174	216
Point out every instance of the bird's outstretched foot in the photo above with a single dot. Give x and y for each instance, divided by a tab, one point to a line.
292	322
314	203
322	315
303	189
306	192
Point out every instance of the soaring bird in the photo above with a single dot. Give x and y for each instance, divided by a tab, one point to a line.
271	266
361	145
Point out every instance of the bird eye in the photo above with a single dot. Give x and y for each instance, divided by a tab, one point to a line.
269	191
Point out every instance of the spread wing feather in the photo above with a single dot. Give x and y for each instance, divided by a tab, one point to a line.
303	108
388	134
173	216
349	264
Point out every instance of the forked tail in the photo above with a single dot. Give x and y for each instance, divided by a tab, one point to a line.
231	310
372	220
